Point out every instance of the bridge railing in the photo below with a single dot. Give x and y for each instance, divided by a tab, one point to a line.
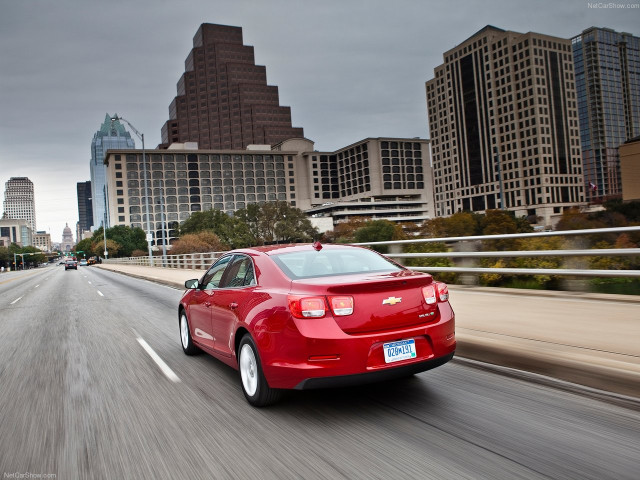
197	261
459	248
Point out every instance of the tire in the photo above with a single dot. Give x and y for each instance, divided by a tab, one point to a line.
185	335
254	385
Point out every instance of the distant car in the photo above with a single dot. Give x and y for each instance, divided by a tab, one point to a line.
312	316
71	264
83	263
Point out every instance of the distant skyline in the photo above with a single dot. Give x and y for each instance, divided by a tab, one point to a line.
348	69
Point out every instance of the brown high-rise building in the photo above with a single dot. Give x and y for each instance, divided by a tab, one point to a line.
223	99
504	126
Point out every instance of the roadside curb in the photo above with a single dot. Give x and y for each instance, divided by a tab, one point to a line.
572	368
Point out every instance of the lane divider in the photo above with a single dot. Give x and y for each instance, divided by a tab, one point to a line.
16	300
100	293
156	358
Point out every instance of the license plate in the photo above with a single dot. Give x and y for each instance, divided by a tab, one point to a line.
396	351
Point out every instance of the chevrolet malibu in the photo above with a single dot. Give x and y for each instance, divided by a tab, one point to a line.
313	316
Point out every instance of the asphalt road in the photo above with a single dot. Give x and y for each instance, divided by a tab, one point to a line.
81	397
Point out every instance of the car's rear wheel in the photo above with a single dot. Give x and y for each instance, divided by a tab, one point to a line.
254	385
185	336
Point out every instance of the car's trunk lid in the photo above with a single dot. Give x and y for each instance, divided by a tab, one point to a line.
382	302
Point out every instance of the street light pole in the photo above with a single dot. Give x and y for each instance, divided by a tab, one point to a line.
146	197
164	225
104	224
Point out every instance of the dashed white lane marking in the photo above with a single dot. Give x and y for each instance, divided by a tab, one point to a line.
89	282
156	358
37	286
16	300
100	293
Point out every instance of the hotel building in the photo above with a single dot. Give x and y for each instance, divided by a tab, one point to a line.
378	177
504	126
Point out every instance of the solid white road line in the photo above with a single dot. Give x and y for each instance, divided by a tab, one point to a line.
16	300
163	366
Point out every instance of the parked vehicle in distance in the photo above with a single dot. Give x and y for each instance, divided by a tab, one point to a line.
70	264
313	316
92	261
83	263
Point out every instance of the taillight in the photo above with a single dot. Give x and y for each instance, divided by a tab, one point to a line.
307	307
436	292
443	291
341	306
429	294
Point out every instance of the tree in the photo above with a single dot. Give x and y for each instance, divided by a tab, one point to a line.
35	255
113	248
198	243
291	224
344	232
128	238
4	257
574	219
376	231
462	224
85	245
214	221
248	222
498	222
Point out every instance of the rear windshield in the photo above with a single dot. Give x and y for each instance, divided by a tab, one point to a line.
328	262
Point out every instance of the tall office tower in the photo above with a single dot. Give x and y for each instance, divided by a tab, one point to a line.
223	99
112	135
504	125
19	202
85	207
607	65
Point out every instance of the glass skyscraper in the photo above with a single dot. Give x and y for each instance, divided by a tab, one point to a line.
112	135
607	71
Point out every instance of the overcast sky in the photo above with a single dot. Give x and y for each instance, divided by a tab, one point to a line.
349	69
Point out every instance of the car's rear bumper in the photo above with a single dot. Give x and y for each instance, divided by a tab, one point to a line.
316	353
372	377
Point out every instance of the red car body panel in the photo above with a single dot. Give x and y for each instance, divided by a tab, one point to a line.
310	352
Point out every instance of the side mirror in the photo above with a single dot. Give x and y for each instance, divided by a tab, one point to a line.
191	284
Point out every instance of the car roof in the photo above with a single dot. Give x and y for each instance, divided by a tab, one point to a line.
289	248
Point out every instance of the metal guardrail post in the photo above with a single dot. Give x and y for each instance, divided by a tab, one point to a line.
468	246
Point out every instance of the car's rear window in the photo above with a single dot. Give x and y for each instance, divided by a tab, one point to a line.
327	262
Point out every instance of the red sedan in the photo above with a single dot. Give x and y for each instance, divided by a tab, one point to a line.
311	316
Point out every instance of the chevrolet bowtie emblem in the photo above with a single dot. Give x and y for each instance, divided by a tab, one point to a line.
391	300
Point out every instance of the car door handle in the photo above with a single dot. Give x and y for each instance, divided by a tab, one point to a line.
207	304
233	306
